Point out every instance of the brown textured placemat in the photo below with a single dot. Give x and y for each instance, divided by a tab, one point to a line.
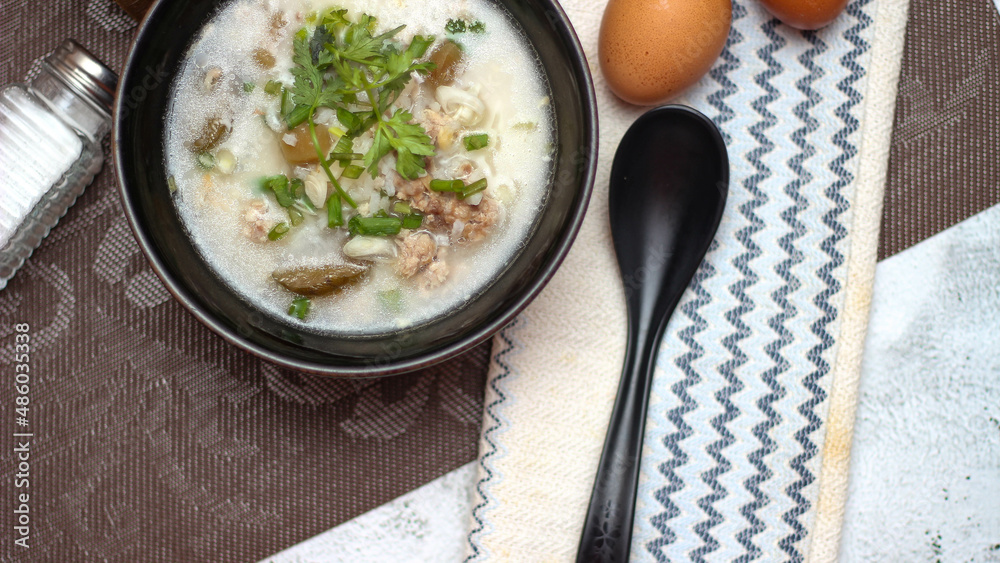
944	166
154	440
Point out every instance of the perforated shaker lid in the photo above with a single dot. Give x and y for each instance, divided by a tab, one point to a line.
85	73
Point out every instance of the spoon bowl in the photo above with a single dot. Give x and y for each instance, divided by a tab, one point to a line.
668	189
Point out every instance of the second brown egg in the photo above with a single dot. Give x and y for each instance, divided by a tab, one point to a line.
806	14
651	50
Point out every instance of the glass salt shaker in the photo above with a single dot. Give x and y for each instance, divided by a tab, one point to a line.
50	147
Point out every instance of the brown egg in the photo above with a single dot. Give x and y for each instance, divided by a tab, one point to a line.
805	14
650	50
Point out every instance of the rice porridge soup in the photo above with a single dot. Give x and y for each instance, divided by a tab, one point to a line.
359	166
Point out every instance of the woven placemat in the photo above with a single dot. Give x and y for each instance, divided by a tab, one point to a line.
945	161
154	440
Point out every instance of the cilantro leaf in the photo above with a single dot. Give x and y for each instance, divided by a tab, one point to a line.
411	142
409	136
310	88
402	64
380	147
317	46
334	20
341	60
359	44
409	165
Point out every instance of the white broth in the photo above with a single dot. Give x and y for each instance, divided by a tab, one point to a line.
444	214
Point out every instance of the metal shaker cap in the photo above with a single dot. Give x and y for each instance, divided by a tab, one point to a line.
85	73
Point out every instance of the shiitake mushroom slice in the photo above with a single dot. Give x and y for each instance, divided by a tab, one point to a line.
320	280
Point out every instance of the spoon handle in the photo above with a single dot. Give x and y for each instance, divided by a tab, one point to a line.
607	531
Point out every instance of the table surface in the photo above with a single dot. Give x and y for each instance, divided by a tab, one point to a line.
158	439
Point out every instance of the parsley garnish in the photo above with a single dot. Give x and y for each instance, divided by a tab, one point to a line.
461	26
343	66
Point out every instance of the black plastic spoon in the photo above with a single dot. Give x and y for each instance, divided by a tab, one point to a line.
669	183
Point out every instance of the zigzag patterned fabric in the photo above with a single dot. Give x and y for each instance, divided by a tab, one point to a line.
737	417
733	446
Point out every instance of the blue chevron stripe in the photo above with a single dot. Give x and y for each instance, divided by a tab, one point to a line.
739	290
494	450
826	274
792	284
720	73
685	363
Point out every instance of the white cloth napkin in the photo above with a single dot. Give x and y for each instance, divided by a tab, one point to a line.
925	477
749	429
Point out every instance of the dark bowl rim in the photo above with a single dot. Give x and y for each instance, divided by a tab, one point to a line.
580	67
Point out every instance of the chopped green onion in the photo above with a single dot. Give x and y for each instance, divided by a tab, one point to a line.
299	308
279	186
171	184
392	300
297	116
334	211
447	185
374	226
477	27
308	204
273	87
261	186
225	161
297	188
402	208
346	156
206	161
279	230
344	145
348	119
248	87
287	106
413	221
353	171
472	189
476	142
296	216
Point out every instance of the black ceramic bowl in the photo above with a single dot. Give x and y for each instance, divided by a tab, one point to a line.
143	97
